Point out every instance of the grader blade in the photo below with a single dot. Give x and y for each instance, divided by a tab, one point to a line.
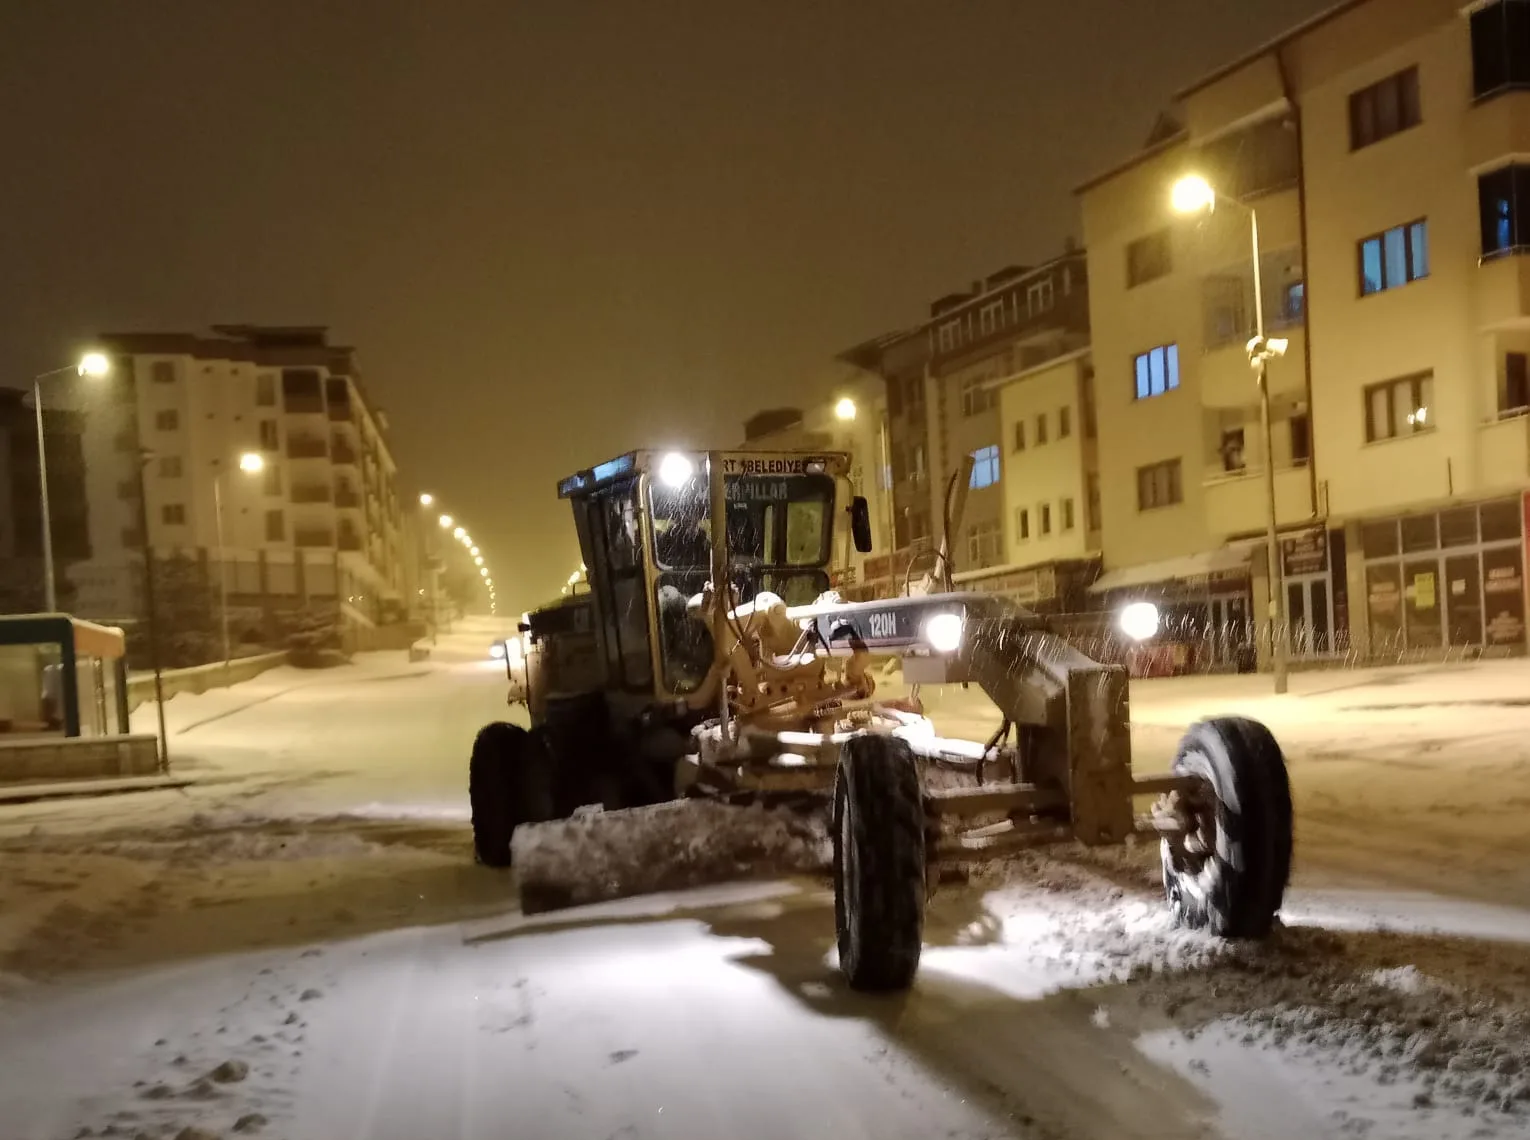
608	855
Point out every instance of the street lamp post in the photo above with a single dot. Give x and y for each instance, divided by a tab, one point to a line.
1193	194
94	365
250	463
149	609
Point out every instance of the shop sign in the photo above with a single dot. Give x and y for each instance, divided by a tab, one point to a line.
1305	553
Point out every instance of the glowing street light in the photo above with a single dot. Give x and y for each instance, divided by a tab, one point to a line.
94	364
484	570
1192	194
845	409
252	462
474	552
446	522
477	559
426	499
458	533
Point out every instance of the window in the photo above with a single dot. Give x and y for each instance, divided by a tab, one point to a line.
163	372
985	466
1041	429
276	526
173	514
1019	435
1067	514
1394	258
1092	501
1157	371
1399	407
985	542
1301	438
1232	450
946	335
1022	523
269	441
1149	258
265	390
977	397
1384	109
1503	206
990	316
1500	47
1293	303
1064	422
1040	296
1045	518
167	420
1158	485
913	393
271	479
170	467
1516	383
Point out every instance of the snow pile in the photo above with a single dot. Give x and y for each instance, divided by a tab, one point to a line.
599	856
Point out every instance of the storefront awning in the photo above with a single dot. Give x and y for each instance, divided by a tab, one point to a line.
1223	560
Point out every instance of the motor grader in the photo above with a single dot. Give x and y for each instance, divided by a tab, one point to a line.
710	661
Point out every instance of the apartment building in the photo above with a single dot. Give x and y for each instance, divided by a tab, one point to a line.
21	554
318	524
1009	349
851	418
1381	147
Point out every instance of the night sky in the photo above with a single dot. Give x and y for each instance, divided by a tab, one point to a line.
559	230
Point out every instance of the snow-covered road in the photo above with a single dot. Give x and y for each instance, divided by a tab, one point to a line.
299	947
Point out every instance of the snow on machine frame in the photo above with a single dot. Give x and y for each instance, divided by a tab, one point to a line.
764	690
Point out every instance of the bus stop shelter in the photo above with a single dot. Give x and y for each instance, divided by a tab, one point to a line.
59	674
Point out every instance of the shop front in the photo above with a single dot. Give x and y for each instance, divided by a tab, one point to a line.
1312	571
1447	579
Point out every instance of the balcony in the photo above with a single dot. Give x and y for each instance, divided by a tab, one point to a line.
350	540
1503	451
1235	504
342	452
310	493
1227	379
1502	292
306	447
1498	127
313	536
347	499
341	413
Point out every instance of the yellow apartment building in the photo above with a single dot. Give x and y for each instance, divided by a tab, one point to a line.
1382	147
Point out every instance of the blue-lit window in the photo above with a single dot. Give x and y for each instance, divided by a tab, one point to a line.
1157	371
985	466
1503	199
1295	301
1394	258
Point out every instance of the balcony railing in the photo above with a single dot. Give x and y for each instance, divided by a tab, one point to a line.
343	452
299	447
310	493
341	413
347	498
313	537
303	405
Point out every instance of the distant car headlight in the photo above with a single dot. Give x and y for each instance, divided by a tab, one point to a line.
944	632
497	650
1139	621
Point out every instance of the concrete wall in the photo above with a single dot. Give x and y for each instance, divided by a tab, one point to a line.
61	758
201	678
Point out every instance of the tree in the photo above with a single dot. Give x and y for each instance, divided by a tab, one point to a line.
312	635
187	620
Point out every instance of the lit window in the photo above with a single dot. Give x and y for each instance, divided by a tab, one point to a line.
985	466
1157	371
1394	258
1399	407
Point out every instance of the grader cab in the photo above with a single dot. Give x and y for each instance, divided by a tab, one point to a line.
723	669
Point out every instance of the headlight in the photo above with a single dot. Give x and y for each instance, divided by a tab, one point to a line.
1139	621
944	632
513	651
497	650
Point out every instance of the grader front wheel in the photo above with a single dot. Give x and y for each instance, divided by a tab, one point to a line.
1227	874
879	863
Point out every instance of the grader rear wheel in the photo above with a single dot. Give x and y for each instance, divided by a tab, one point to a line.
1228	875
879	863
509	783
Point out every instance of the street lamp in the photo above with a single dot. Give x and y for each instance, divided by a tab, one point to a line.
1192	194
94	365
446	522
251	463
845	409
426	499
